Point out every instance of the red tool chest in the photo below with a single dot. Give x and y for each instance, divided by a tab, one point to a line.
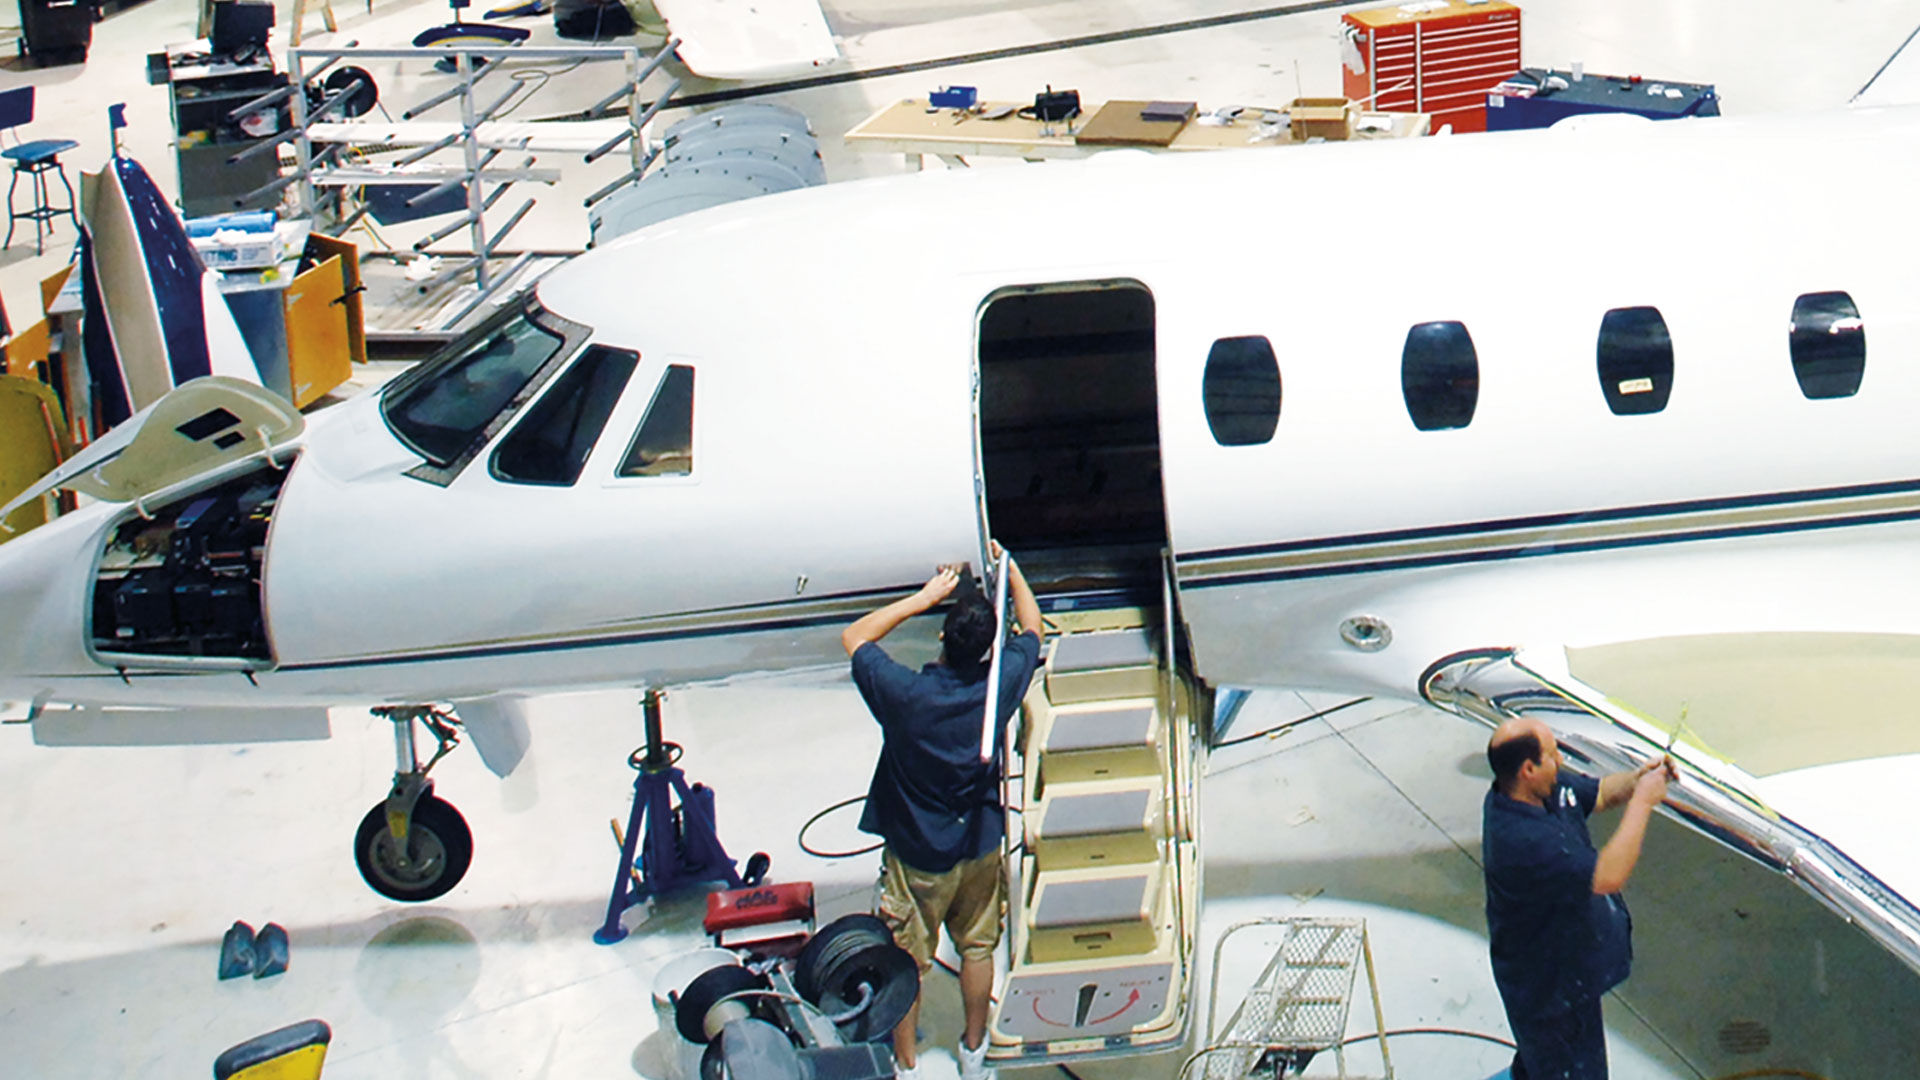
1439	57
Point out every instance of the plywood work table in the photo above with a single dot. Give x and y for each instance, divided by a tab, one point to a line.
908	127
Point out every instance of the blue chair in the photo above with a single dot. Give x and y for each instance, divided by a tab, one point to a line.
36	159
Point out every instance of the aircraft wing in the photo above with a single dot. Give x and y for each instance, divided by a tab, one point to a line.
1773	734
1898	80
749	39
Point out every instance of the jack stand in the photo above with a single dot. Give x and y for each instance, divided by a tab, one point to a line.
681	848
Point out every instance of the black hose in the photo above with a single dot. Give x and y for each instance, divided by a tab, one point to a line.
1281	728
802	839
1459	1032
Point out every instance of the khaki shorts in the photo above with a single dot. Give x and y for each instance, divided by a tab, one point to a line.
969	900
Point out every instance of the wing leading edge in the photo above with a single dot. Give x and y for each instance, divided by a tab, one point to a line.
1716	796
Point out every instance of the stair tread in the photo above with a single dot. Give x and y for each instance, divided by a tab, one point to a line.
1100	729
1089	898
1101	651
1068	813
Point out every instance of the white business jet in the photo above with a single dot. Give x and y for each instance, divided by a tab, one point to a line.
1583	421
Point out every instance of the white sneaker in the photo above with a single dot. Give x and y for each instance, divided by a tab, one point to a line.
901	1072
973	1063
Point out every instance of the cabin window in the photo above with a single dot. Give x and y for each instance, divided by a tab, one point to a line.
1829	345
551	445
1636	360
664	444
1241	391
1440	376
443	411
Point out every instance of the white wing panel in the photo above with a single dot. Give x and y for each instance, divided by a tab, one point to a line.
749	39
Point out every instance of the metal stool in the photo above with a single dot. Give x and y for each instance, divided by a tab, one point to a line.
36	159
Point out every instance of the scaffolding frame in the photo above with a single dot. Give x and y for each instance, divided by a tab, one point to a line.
472	64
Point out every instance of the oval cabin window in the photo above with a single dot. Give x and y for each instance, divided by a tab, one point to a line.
1241	391
1440	376
1636	360
1829	345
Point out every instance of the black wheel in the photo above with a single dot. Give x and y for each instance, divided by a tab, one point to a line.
757	866
690	1012
852	952
814	956
439	849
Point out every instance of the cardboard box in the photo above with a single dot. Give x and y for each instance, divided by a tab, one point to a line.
237	249
1324	118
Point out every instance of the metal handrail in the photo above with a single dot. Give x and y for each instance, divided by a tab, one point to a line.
991	713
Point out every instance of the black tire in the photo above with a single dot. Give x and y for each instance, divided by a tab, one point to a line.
690	1012
438	842
757	866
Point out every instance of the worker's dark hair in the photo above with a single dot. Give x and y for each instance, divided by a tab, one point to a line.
968	632
1507	757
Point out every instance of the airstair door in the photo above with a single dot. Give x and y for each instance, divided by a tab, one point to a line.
1103	865
1069	434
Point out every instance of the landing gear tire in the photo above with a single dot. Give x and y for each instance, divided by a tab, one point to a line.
439	850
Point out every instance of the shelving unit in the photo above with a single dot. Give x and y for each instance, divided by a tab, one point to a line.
474	137
204	94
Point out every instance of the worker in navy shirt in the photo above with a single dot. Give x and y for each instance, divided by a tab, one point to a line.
1557	927
933	800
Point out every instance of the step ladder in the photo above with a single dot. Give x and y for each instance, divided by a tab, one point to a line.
1297	1006
1104	877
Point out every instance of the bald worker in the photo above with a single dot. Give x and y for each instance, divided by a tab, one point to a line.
1557	927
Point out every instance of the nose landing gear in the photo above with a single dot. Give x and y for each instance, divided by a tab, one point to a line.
413	846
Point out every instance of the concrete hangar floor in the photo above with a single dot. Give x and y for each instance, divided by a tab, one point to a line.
124	866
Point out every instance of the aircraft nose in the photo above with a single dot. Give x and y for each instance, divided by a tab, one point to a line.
43	592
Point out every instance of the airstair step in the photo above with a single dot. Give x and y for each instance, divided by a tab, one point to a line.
1102	665
1102	911
1099	740
1096	823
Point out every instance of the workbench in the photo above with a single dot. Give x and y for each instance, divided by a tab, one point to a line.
914	128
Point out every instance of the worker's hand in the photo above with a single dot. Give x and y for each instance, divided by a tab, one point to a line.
1650	787
939	586
1664	763
994	551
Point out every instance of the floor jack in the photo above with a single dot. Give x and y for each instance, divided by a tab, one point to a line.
681	847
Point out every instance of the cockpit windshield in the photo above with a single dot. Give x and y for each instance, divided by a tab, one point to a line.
453	399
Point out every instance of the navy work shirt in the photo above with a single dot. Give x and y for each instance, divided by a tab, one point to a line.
932	798
1555	944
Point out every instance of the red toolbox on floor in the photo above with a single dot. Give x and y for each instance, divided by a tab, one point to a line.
1438	57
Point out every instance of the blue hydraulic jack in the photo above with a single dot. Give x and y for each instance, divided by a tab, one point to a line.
682	846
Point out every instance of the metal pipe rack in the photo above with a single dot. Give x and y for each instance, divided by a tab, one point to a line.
484	186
